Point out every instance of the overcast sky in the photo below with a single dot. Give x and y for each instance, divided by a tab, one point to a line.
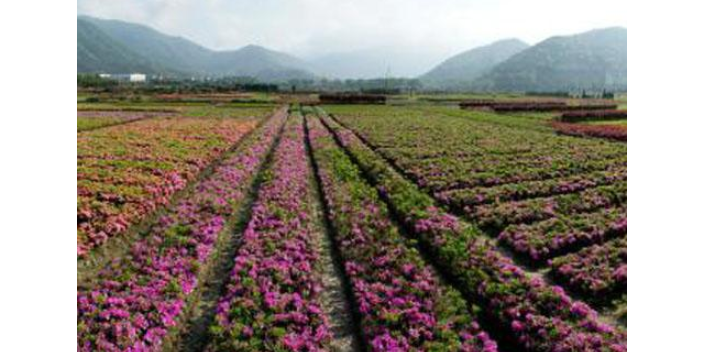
310	28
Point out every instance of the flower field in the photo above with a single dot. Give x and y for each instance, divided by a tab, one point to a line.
445	231
126	172
135	300
540	195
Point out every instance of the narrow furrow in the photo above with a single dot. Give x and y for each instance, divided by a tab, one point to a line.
337	296
272	301
194	335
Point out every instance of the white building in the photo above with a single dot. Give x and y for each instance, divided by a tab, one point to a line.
125	77
138	77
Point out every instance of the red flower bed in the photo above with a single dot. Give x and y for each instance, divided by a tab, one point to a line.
597	115
615	132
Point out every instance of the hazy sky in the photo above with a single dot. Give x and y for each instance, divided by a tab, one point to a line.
432	29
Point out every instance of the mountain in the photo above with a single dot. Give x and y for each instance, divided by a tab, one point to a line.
265	64
98	52
460	70
161	53
177	53
593	60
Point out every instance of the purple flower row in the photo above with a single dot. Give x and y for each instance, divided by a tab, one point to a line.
500	215
550	238
596	271
272	299
461	198
403	306
533	314
135	300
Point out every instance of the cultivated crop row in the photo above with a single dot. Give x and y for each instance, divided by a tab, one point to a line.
402	304
273	295
598	115
614	132
599	271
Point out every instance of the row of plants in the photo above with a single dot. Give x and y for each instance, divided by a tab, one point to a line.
443	180
401	303
125	172
272	301
562	234
352	98
532	314
613	132
497	216
597	272
471	197
134	302
94	119
598	115
533	107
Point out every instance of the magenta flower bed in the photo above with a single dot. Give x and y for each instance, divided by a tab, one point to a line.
272	299
595	271
136	300
403	306
532	314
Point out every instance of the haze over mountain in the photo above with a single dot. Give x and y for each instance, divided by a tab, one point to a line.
118	47
373	63
593	60
460	70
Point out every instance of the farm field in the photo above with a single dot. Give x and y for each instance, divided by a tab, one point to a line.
94	119
129	170
287	227
541	196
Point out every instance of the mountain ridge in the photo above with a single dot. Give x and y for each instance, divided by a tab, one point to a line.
177	55
596	59
461	69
